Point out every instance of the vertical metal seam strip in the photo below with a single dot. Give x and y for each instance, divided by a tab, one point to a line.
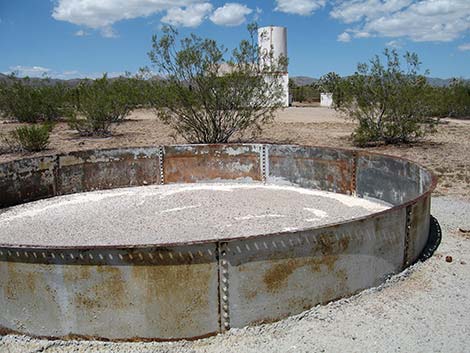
56	173
161	154
407	237
264	163
354	174
224	310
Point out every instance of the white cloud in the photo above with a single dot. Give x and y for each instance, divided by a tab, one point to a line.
464	47
108	32
397	44
344	37
299	7
81	33
353	11
418	20
31	71
39	71
102	14
231	14
258	13
191	16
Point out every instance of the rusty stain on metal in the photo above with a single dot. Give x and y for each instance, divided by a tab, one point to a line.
205	163
195	289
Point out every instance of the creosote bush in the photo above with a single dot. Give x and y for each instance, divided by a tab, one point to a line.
207	97
451	101
31	138
21	100
103	102
307	93
390	104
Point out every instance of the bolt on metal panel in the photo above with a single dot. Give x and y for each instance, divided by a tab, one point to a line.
272	277
192	290
165	293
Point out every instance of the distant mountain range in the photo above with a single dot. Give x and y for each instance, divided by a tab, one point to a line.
298	80
36	81
303	80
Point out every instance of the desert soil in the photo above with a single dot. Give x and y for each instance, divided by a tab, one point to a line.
426	308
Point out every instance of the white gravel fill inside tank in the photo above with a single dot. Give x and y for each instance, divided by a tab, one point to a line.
176	213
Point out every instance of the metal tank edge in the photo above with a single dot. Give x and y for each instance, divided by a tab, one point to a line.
195	289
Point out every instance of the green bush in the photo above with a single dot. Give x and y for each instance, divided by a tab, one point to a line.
391	105
208	97
103	102
307	93
452	100
22	101
31	138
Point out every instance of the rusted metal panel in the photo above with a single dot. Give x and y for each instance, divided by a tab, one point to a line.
158	293
206	163
392	180
276	276
27	180
418	231
311	167
107	169
192	290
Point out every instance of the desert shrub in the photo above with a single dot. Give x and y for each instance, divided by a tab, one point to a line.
307	93
103	102
31	138
389	103
207	97
453	100
22	101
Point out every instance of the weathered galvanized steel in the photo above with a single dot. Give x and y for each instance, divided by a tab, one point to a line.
195	289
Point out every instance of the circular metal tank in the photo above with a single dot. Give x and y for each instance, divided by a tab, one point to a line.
195	289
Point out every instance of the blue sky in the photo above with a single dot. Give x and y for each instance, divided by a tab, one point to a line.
78	38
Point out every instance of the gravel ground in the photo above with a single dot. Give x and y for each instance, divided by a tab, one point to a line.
424	309
175	213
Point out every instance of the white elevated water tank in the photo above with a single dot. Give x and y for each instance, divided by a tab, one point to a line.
273	40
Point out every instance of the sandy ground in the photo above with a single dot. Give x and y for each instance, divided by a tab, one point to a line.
162	214
447	152
424	309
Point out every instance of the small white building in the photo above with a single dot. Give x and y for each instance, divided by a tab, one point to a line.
326	100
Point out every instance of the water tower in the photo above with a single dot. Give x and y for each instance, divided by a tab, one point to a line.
273	40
